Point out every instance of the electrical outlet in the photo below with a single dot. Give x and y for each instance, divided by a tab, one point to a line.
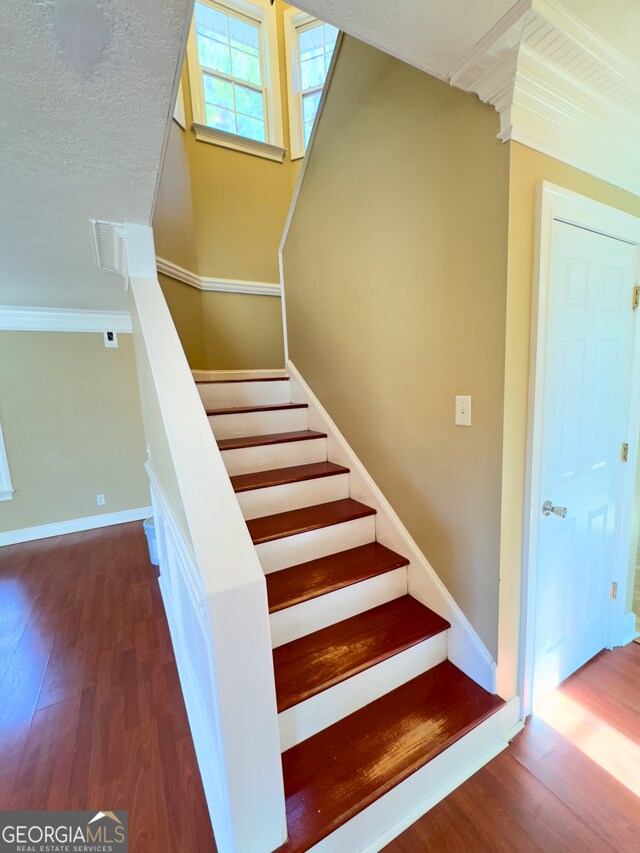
463	411
111	340
100	500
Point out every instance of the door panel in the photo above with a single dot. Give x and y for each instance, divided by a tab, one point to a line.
588	364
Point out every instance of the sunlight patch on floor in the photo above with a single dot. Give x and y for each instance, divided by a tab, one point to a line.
599	741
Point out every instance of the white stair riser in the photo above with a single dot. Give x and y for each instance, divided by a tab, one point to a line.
258	502
311	716
291	550
244	460
258	423
318	613
226	395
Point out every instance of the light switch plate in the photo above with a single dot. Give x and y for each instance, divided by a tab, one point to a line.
463	411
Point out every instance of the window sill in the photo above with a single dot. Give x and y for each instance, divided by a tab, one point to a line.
238	143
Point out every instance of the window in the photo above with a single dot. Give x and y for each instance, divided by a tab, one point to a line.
235	89
309	45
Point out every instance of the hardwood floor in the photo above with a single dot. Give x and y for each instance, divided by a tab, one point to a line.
91	713
91	716
569	782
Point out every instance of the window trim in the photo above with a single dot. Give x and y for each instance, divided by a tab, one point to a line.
294	21
264	14
6	486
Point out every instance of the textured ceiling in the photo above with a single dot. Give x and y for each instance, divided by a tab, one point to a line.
85	93
433	35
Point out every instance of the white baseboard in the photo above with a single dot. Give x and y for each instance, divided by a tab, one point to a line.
628	631
74	525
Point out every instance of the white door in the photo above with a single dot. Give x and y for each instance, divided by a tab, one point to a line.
586	390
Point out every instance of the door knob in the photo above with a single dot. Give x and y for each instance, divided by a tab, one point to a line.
549	509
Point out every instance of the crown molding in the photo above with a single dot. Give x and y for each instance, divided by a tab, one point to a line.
27	319
561	89
217	285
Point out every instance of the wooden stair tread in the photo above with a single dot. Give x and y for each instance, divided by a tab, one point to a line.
340	771
269	438
282	524
317	577
282	476
248	410
311	664
255	379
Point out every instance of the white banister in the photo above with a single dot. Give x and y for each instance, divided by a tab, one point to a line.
211	580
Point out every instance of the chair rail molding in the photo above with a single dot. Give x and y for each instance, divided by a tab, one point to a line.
217	285
560	89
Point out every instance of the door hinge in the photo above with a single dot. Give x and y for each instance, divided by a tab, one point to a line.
614	590
625	452
635	302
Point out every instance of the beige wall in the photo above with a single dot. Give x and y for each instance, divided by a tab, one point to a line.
185	305
72	427
242	331
173	218
527	169
395	271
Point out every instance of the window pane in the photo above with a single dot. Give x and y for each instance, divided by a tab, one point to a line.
251	128
307	133
243	35
249	102
330	36
311	43
221	119
214	55
211	23
218	92
312	73
244	66
310	104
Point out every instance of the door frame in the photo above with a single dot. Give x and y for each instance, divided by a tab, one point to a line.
555	203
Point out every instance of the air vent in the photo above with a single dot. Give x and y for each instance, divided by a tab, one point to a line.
108	241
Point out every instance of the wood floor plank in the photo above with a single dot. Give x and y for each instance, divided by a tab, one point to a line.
91	711
523	816
591	793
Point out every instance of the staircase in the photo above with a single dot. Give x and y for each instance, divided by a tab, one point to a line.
366	695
